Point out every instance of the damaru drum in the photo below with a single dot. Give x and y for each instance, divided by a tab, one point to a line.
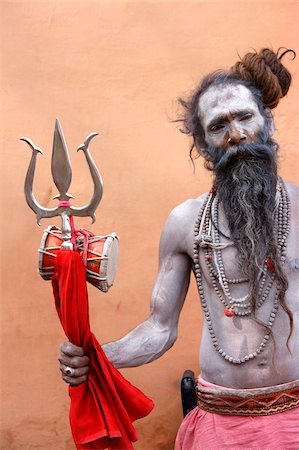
101	252
102	258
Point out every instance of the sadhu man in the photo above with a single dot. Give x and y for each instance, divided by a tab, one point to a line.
240	240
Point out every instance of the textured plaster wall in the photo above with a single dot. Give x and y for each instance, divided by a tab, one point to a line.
115	67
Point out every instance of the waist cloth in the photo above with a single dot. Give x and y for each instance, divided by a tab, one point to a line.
273	424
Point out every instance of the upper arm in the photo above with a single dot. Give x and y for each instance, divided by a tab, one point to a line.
173	277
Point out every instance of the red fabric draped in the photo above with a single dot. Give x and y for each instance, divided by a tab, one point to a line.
102	408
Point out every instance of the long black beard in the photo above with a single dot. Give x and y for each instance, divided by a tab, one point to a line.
246	180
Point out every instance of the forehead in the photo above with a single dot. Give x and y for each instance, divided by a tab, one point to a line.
222	100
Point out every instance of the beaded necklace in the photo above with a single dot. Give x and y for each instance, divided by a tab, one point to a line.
207	239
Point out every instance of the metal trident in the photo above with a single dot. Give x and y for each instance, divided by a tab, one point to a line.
62	176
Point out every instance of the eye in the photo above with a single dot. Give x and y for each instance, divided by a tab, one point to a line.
216	127
246	117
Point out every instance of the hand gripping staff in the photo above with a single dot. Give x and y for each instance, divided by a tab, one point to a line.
102	408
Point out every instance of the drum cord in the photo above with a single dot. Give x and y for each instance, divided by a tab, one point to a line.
77	232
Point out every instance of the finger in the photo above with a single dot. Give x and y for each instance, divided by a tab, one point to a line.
71	349
75	361
75	372
74	381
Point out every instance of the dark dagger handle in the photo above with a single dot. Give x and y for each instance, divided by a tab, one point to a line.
188	392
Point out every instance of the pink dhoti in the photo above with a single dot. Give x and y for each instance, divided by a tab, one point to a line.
203	430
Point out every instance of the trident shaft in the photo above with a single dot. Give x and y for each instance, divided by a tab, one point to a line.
62	176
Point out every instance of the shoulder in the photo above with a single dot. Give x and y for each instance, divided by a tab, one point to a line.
179	225
291	188
187	211
293	192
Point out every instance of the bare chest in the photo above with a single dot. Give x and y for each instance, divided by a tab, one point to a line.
222	283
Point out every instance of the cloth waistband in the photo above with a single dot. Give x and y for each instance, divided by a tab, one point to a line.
248	402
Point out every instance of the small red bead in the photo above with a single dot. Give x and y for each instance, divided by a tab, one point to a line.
208	258
229	312
213	191
270	264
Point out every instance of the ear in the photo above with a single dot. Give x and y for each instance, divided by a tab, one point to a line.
270	121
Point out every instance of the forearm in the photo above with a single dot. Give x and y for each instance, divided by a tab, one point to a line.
142	345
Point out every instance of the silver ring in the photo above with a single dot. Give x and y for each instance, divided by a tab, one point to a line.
69	371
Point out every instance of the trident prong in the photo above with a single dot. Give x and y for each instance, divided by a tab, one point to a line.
62	175
31	200
88	210
61	164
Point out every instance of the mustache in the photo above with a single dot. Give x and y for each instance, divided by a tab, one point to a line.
257	151
264	149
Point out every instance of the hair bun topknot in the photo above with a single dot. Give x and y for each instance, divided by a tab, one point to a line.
265	70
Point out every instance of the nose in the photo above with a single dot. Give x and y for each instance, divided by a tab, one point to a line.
235	136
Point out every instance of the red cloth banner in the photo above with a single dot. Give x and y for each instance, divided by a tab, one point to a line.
104	406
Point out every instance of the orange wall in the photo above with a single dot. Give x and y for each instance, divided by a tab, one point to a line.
115	67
